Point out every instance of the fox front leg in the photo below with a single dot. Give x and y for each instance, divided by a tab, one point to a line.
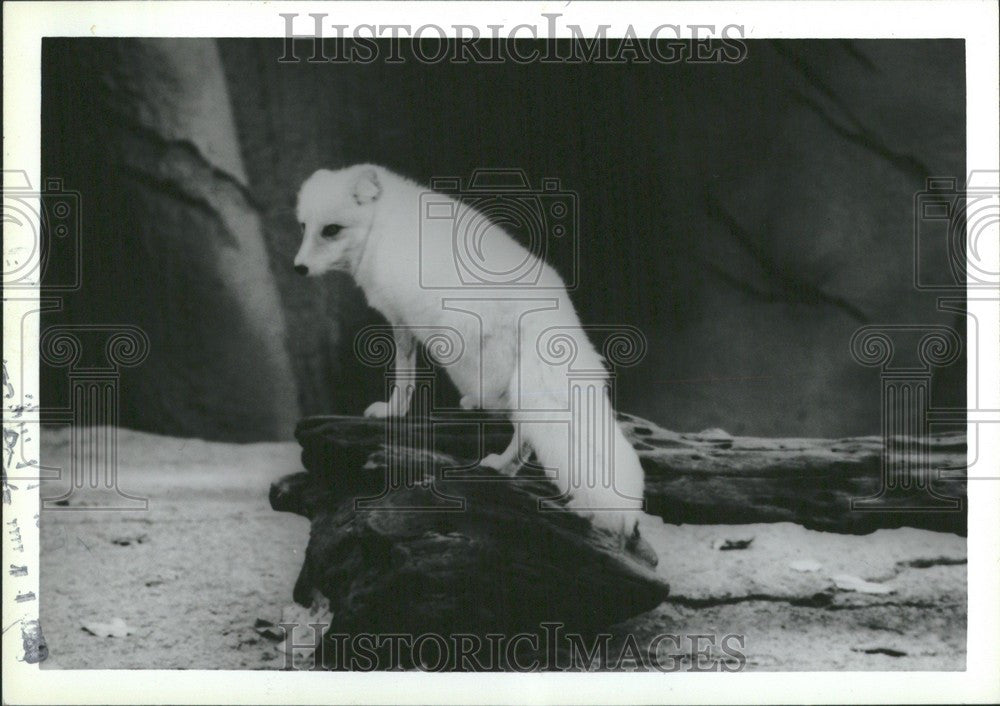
402	390
511	459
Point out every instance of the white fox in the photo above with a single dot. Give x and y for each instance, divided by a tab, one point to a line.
366	221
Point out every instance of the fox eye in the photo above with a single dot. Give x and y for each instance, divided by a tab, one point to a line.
331	230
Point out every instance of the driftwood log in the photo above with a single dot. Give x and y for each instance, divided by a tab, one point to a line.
821	484
467	554
453	548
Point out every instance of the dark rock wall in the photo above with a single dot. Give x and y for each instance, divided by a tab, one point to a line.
747	218
171	240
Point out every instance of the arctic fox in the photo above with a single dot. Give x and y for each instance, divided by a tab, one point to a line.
366	221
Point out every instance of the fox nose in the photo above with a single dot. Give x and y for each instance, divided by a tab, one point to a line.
302	269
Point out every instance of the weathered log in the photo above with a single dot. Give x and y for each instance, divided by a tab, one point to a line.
467	553
711	477
821	484
442	546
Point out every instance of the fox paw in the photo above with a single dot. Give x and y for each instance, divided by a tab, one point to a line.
498	463
378	410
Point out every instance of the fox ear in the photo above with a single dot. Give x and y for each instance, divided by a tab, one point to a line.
367	188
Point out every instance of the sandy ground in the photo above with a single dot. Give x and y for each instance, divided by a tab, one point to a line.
192	574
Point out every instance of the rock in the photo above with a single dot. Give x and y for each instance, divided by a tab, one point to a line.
116	627
713	434
448	554
728	545
267	629
845	582
127	540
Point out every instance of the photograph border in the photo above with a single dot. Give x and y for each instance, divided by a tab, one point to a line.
24	26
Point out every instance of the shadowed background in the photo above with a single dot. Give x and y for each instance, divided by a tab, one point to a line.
748	218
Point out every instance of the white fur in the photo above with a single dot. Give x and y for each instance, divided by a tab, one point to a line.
383	248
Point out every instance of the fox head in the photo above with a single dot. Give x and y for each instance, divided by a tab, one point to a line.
335	212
